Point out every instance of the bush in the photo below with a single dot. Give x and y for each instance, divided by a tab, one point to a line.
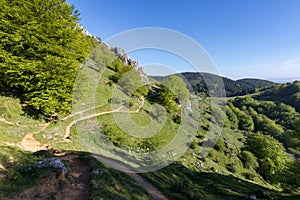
249	160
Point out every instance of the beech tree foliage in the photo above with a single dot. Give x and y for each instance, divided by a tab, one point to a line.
41	48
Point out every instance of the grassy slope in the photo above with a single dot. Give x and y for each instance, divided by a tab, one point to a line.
221	178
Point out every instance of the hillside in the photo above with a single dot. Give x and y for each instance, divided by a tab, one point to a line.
227	167
197	82
110	133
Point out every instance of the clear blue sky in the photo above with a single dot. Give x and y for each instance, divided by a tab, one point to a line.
245	38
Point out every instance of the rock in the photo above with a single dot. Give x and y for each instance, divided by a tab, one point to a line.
11	159
172	153
252	197
97	172
52	162
128	61
1	167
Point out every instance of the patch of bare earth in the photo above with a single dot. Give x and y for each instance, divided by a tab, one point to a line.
75	185
29	143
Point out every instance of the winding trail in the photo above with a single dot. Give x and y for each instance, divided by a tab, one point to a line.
79	188
118	110
5	121
81	112
29	143
151	189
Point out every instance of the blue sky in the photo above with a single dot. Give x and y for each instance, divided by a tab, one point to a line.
249	38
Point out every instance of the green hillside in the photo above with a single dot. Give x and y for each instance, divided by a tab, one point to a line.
79	103
198	83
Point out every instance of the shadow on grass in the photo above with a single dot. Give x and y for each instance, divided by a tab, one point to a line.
178	182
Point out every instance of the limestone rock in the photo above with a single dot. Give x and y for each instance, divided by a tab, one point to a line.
52	162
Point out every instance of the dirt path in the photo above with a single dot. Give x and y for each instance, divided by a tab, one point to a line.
29	143
77	186
74	186
5	121
80	112
118	110
151	189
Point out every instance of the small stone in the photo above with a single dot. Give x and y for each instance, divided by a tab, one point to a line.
11	159
97	172
252	197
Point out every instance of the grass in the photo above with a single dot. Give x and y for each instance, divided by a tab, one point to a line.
17	173
179	182
113	184
222	177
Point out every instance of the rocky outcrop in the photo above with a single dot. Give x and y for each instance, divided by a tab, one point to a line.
87	33
120	53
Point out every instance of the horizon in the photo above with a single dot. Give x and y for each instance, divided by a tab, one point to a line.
258	39
275	80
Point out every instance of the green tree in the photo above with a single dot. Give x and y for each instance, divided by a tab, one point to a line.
178	87
41	48
165	97
270	153
249	160
233	119
132	83
245	122
291	175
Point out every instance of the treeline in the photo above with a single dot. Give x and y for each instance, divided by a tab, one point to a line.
272	131
41	49
288	93
198	83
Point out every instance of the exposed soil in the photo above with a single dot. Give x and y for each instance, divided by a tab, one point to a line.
73	186
5	121
153	191
29	143
76	184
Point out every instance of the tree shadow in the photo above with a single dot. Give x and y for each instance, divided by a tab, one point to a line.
178	182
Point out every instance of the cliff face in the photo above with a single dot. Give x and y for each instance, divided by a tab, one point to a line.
120	53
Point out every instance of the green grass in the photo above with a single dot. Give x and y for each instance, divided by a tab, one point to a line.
18	173
113	184
11	111
179	182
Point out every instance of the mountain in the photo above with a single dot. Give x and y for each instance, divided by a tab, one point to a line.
116	120
198	83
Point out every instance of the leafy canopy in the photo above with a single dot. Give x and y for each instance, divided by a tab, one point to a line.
41	48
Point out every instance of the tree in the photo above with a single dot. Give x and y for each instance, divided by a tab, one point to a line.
165	97
249	160
245	122
234	121
131	82
291	175
270	153
178	87
41	48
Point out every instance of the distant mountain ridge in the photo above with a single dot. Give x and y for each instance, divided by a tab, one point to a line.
198	83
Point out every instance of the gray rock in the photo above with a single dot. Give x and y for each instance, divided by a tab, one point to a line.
97	172
52	162
252	197
121	53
